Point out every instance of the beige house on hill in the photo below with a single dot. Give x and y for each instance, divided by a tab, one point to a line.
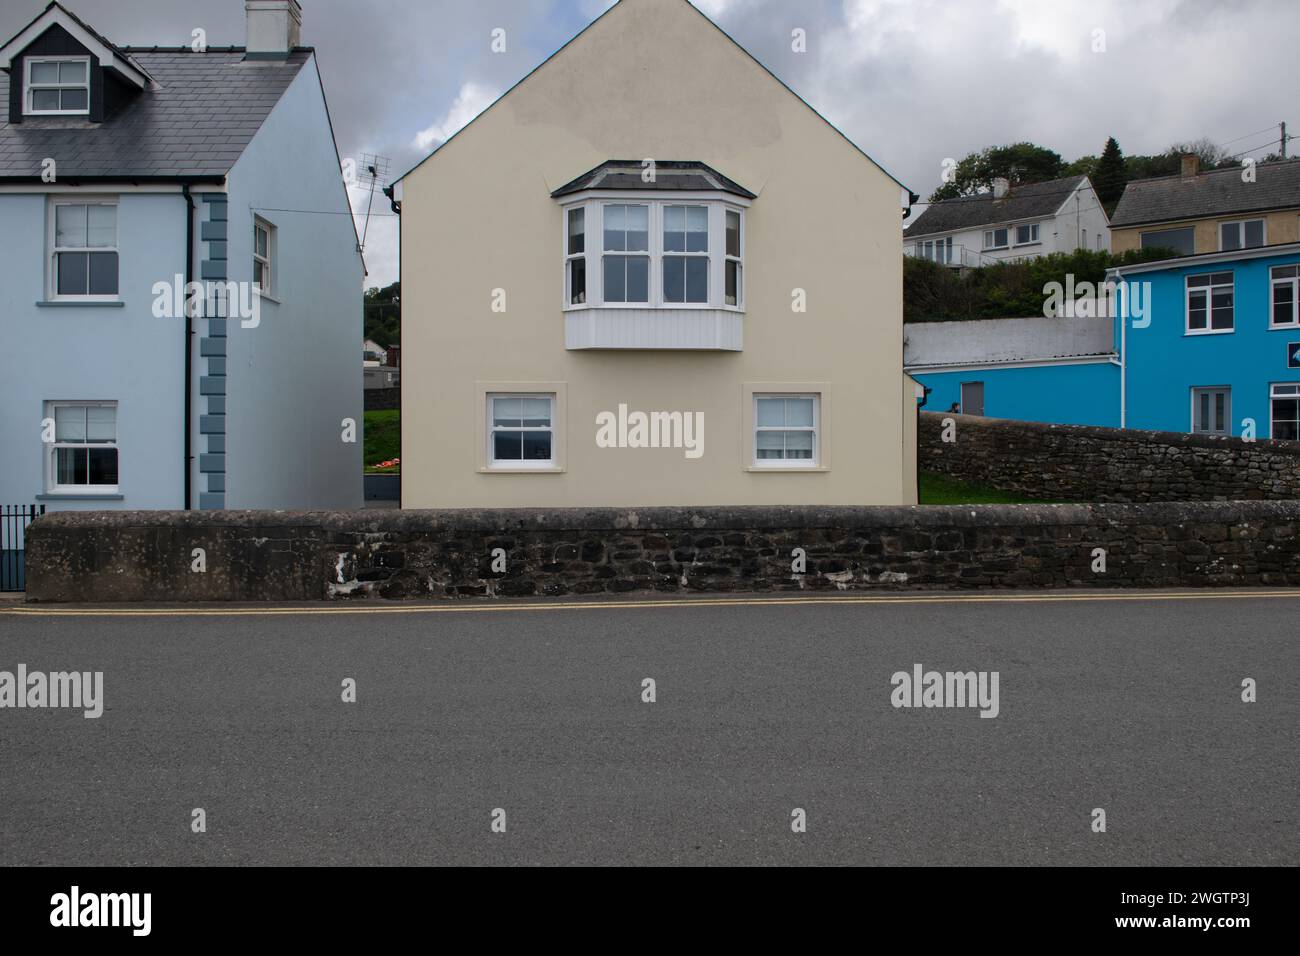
650	274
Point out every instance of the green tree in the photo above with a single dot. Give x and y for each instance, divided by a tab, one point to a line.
1110	178
383	315
1018	163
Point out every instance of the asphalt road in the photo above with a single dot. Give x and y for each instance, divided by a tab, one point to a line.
1130	704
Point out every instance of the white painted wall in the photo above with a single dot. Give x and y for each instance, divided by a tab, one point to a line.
1004	340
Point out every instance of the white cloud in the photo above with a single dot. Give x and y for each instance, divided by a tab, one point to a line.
472	99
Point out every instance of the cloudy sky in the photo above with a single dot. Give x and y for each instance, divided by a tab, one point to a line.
911	81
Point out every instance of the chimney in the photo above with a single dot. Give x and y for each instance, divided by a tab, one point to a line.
1001	187
1191	165
273	28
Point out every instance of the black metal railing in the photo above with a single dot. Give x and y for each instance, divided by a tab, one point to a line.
14	520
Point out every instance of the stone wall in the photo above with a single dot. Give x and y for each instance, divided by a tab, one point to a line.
288	556
1087	463
382	399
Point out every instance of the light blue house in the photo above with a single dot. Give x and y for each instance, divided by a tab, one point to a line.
1038	369
1206	343
126	176
1220	352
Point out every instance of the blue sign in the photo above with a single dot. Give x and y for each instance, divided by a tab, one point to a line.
1293	355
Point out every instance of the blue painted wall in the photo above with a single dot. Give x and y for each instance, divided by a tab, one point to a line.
93	353
1063	394
287	384
1165	363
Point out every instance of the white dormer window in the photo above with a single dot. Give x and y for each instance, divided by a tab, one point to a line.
58	86
659	254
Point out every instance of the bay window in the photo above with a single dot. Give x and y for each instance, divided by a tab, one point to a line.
663	254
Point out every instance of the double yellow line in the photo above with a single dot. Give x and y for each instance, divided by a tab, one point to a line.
488	606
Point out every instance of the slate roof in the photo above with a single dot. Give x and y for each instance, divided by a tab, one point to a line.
1214	192
670	176
1030	201
193	121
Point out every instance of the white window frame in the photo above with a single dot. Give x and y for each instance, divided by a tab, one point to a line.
53	250
571	257
29	87
1035	234
511	464
1227	408
51	455
267	287
1280	390
594	219
786	464
739	260
991	236
1240	225
707	255
1294	282
1189	291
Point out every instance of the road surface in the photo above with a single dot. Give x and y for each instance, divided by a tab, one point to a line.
1129	703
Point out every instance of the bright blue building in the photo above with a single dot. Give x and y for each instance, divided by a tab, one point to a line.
1039	370
1210	344
1220	353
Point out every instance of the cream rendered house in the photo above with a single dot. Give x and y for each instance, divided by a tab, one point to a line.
650	274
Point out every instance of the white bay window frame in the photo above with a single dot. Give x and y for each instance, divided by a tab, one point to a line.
594	205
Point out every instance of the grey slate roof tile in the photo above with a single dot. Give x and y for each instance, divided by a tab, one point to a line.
194	120
1215	192
1030	201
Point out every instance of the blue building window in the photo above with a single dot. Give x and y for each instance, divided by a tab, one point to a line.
1285	410
1210	303
1285	282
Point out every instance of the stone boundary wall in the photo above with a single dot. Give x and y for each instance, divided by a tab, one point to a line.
308	556
382	399
1089	463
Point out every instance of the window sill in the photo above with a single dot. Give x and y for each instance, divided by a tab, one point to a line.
788	469
554	470
1192	334
80	304
267	297
79	496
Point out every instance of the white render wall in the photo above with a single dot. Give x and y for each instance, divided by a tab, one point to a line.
979	341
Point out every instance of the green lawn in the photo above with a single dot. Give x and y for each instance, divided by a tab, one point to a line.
939	489
383	441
